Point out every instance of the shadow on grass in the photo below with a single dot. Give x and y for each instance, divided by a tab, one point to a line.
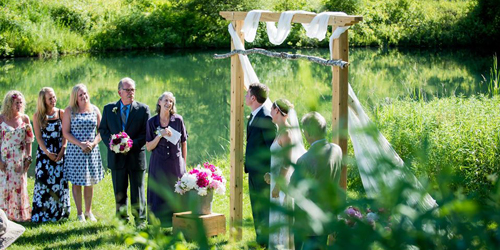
89	244
57	239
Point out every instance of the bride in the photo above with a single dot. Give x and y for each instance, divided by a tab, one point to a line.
286	149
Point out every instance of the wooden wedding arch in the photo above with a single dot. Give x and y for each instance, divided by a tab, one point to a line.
340	50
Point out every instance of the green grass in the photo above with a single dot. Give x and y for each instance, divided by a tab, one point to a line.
451	142
108	233
461	133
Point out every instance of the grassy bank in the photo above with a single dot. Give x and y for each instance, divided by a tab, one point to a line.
451	134
50	27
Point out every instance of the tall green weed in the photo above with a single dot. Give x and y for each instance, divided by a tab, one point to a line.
453	132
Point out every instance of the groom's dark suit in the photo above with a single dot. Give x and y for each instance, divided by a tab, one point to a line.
131	165
260	135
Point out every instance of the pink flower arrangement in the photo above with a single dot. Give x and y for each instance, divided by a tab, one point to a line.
120	143
203	179
353	214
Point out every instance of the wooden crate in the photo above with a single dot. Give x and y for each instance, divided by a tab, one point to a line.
189	224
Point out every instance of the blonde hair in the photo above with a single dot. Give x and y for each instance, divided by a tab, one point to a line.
8	100
173	110
41	106
73	99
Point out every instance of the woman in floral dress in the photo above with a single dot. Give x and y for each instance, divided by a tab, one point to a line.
51	193
16	136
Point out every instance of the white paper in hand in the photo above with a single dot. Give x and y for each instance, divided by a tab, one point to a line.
174	138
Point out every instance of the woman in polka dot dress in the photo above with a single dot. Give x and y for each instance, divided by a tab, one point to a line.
83	165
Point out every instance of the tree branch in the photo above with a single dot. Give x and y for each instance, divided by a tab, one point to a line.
284	55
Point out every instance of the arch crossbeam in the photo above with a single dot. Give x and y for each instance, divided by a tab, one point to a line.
297	18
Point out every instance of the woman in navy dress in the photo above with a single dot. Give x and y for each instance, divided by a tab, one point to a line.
51	193
168	160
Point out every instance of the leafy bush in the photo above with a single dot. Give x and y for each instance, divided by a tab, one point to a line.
51	27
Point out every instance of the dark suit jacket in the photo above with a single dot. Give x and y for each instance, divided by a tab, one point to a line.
260	136
321	164
111	123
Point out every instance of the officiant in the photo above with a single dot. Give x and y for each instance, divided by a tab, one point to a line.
166	138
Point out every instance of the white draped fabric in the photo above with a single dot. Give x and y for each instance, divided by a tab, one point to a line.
369	149
380	167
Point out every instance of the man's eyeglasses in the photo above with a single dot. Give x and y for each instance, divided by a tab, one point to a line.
129	90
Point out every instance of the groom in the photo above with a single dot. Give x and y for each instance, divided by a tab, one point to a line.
261	132
321	166
129	116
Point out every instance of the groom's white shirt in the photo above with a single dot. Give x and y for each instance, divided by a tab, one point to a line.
254	113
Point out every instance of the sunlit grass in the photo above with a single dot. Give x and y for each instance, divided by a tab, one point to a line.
108	233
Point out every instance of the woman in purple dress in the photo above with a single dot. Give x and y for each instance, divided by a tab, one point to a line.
168	158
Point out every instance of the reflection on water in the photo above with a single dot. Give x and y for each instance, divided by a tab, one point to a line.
202	84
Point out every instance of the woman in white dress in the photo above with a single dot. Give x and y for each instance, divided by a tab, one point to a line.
286	149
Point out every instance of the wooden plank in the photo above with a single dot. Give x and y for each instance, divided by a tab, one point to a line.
236	134
340	92
297	18
189	224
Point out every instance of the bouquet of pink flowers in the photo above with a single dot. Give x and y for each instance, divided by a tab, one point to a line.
202	179
120	143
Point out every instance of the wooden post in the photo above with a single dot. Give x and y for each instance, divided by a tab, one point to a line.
340	92
236	134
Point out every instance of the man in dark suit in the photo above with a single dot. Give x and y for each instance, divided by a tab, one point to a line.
261	132
320	168
129	116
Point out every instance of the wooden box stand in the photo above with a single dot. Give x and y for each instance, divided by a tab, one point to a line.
188	224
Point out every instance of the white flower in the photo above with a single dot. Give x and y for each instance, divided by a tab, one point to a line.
178	188
221	189
218	172
207	171
190	181
50	128
202	191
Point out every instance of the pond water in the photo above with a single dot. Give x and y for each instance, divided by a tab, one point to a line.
201	84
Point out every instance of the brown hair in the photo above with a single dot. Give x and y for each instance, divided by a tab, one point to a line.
283	106
260	91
